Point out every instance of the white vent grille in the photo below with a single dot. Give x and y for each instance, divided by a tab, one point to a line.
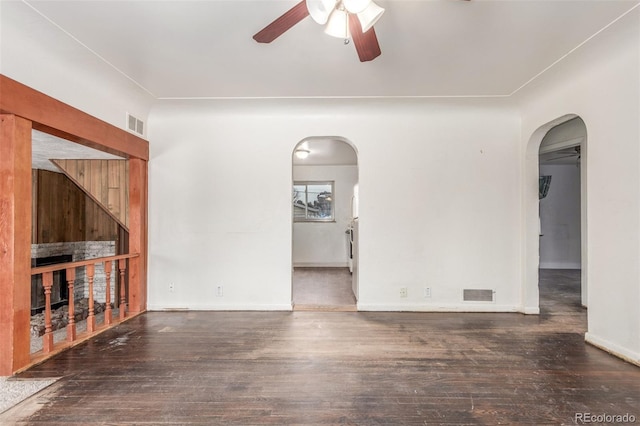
474	295
135	125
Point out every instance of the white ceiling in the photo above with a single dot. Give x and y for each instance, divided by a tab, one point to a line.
326	152
204	48
46	147
430	48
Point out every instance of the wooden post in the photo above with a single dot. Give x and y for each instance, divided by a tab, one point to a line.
122	307
15	242
47	338
91	319
71	326
107	297
138	235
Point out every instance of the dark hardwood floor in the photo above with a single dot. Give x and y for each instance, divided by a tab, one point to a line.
359	368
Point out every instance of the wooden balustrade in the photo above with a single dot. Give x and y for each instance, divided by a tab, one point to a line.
70	267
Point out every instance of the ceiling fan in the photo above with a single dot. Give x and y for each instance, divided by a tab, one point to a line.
343	19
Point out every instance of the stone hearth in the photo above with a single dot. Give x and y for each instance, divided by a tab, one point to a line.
60	316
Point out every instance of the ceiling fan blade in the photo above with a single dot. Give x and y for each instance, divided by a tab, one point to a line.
278	27
366	43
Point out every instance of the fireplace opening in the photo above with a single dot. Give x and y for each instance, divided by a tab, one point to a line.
59	290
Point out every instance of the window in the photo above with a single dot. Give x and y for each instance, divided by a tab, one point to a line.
313	202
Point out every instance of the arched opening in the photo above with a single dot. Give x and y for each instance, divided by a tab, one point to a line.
555	270
324	225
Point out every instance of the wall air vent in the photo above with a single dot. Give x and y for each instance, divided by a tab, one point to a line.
135	125
473	295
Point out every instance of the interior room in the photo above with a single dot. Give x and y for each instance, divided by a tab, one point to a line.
469	183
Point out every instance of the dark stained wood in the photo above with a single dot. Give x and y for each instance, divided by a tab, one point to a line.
366	44
282	24
104	181
65	213
15	242
359	368
57	118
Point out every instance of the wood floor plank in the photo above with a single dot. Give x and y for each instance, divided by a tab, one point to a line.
360	368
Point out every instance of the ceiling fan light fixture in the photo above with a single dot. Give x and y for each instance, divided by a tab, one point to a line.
302	153
338	24
370	16
320	10
356	6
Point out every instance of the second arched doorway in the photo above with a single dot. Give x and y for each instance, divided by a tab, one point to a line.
324	224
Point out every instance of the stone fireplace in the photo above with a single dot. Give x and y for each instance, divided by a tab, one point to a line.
71	252
59	296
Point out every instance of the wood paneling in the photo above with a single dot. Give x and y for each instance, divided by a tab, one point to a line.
106	181
64	213
57	118
15	247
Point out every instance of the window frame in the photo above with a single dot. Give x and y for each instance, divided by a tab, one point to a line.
307	219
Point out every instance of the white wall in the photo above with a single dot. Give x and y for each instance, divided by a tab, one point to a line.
36	53
324	244
560	218
599	82
439	200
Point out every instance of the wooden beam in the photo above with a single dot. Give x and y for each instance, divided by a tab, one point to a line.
52	116
15	242
23	109
138	235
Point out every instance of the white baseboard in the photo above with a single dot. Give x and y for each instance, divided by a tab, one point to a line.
613	349
321	265
219	307
472	307
531	310
560	265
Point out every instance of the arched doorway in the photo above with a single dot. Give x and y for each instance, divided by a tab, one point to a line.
556	246
324	225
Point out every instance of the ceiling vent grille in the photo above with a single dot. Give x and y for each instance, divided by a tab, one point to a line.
135	125
473	295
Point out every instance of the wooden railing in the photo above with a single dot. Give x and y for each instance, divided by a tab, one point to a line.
70	268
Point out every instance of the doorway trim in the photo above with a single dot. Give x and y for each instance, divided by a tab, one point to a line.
301	144
530	295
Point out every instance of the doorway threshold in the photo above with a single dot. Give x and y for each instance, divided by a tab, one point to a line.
301	307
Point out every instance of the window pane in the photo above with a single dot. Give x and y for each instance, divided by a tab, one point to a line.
320	201
299	202
313	201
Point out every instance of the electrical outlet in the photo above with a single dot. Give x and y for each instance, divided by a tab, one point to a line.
172	287
403	292
219	291
427	292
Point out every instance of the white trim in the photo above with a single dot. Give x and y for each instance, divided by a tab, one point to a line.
560	265
612	348
531	310
321	265
228	307
437	308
